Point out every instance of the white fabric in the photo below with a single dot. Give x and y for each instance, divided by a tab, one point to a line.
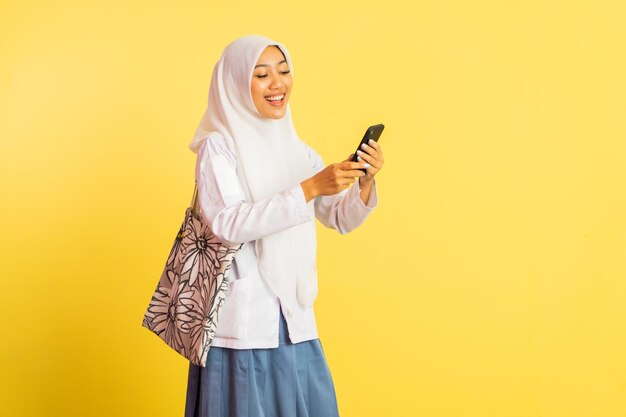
249	317
271	158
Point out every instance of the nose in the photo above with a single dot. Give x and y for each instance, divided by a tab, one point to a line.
276	82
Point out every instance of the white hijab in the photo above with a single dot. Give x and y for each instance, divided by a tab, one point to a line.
270	158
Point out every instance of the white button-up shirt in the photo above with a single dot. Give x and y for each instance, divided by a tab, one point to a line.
250	314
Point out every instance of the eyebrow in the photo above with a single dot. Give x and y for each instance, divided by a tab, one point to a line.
266	65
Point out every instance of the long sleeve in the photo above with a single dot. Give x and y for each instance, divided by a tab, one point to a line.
223	204
344	211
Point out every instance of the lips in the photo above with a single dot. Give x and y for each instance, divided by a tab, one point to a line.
274	102
282	96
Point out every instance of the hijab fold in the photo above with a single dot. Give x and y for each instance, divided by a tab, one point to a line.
270	158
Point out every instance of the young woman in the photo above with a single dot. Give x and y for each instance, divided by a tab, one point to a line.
260	185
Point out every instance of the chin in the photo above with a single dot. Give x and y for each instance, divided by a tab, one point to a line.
275	115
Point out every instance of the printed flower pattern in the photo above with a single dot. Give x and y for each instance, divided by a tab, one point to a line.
205	314
202	251
186	303
176	247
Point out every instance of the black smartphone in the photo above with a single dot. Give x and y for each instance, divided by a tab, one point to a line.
372	132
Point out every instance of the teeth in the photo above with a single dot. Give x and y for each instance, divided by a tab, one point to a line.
275	98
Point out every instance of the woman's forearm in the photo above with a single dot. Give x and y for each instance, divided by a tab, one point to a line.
366	188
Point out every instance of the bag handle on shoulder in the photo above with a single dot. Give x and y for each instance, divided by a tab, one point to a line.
194	199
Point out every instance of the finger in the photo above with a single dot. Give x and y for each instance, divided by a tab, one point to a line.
354	173
351	173
367	158
375	145
367	148
372	170
379	151
346	181
348	165
365	155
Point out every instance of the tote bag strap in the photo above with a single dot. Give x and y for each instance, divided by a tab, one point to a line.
194	199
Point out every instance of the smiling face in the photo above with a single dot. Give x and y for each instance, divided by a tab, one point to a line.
271	79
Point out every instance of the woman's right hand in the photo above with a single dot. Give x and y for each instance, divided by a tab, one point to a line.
332	179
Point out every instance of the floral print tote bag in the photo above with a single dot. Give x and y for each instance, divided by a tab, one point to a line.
187	301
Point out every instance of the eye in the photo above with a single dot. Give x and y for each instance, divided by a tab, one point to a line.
265	75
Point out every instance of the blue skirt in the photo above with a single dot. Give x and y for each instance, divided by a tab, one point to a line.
292	380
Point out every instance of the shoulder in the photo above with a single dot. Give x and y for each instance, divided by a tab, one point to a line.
215	144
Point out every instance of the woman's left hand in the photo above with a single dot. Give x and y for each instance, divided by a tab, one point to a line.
373	155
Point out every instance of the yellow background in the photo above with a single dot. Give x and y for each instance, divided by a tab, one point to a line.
490	281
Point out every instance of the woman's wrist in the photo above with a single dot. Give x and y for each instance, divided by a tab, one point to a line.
308	187
365	186
366	181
